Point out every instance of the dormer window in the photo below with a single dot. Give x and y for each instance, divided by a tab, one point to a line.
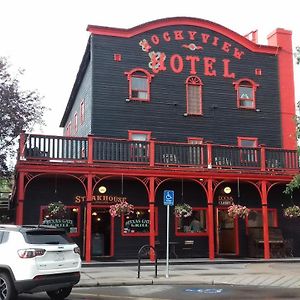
139	84
194	95
246	89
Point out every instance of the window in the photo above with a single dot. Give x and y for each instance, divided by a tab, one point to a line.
70	223
82	111
68	129
248	155
196	155
139	149
194	95
246	89
196	224
75	122
139	84
138	223
255	218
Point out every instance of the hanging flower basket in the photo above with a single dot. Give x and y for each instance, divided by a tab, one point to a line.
121	208
236	210
292	211
55	210
183	210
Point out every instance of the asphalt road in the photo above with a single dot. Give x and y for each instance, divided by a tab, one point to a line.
175	292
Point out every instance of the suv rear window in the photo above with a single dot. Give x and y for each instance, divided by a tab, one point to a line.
47	237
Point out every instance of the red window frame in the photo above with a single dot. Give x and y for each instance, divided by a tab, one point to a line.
255	145
82	111
75	122
43	207
197	141
139	73
139	151
270	210
136	208
248	83
68	129
200	233
195	82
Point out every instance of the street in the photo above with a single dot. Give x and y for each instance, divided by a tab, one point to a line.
175	292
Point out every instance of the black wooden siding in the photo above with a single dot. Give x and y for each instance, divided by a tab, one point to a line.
84	93
222	122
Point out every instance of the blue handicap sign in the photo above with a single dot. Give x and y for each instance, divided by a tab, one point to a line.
169	197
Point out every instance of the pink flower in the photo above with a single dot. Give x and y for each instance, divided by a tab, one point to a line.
120	208
236	210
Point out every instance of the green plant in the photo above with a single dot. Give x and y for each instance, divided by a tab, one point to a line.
292	211
56	210
183	210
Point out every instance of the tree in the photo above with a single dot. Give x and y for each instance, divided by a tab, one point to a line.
19	110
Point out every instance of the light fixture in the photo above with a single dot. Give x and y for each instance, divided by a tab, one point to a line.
98	219
102	189
94	214
227	190
75	209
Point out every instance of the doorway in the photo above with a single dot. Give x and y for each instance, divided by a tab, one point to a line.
101	232
226	233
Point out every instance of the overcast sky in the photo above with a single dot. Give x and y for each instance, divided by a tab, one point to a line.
47	38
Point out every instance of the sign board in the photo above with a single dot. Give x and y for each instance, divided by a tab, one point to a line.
169	197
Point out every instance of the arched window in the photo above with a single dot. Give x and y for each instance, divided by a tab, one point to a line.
139	84
193	95
246	89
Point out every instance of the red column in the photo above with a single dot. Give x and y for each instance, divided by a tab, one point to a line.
152	153
90	148
88	224
21	193
210	204
209	155
263	158
152	216
22	145
282	39
264	202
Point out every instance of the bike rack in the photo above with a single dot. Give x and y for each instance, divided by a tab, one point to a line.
145	252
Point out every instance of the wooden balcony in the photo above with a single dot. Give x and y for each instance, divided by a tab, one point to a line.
99	150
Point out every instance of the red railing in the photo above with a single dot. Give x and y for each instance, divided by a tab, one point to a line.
93	149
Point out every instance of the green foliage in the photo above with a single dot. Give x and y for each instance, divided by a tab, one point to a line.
294	184
297	55
19	110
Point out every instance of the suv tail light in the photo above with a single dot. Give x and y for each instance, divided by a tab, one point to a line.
76	250
30	253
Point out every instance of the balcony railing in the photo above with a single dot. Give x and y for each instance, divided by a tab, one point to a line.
153	153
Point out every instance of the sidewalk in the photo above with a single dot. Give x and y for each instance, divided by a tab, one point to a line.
275	273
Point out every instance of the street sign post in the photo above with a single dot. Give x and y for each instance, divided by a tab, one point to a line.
168	200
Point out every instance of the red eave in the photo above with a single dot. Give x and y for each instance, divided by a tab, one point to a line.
128	33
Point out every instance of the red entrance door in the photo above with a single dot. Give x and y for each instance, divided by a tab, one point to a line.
226	233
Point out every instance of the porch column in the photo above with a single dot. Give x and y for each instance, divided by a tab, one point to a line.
88	224
264	203
20	199
210	210
152	215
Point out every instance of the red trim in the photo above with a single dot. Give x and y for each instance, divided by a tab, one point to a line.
147	76
242	138
270	210
131	132
42	212
82	111
21	193
283	38
250	84
128	33
201	233
75	122
210	229
194	81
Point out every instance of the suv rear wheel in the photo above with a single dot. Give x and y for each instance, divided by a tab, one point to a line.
59	294
7	290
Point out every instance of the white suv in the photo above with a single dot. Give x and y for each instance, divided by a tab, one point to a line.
37	258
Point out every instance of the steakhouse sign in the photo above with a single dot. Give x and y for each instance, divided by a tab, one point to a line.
193	41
